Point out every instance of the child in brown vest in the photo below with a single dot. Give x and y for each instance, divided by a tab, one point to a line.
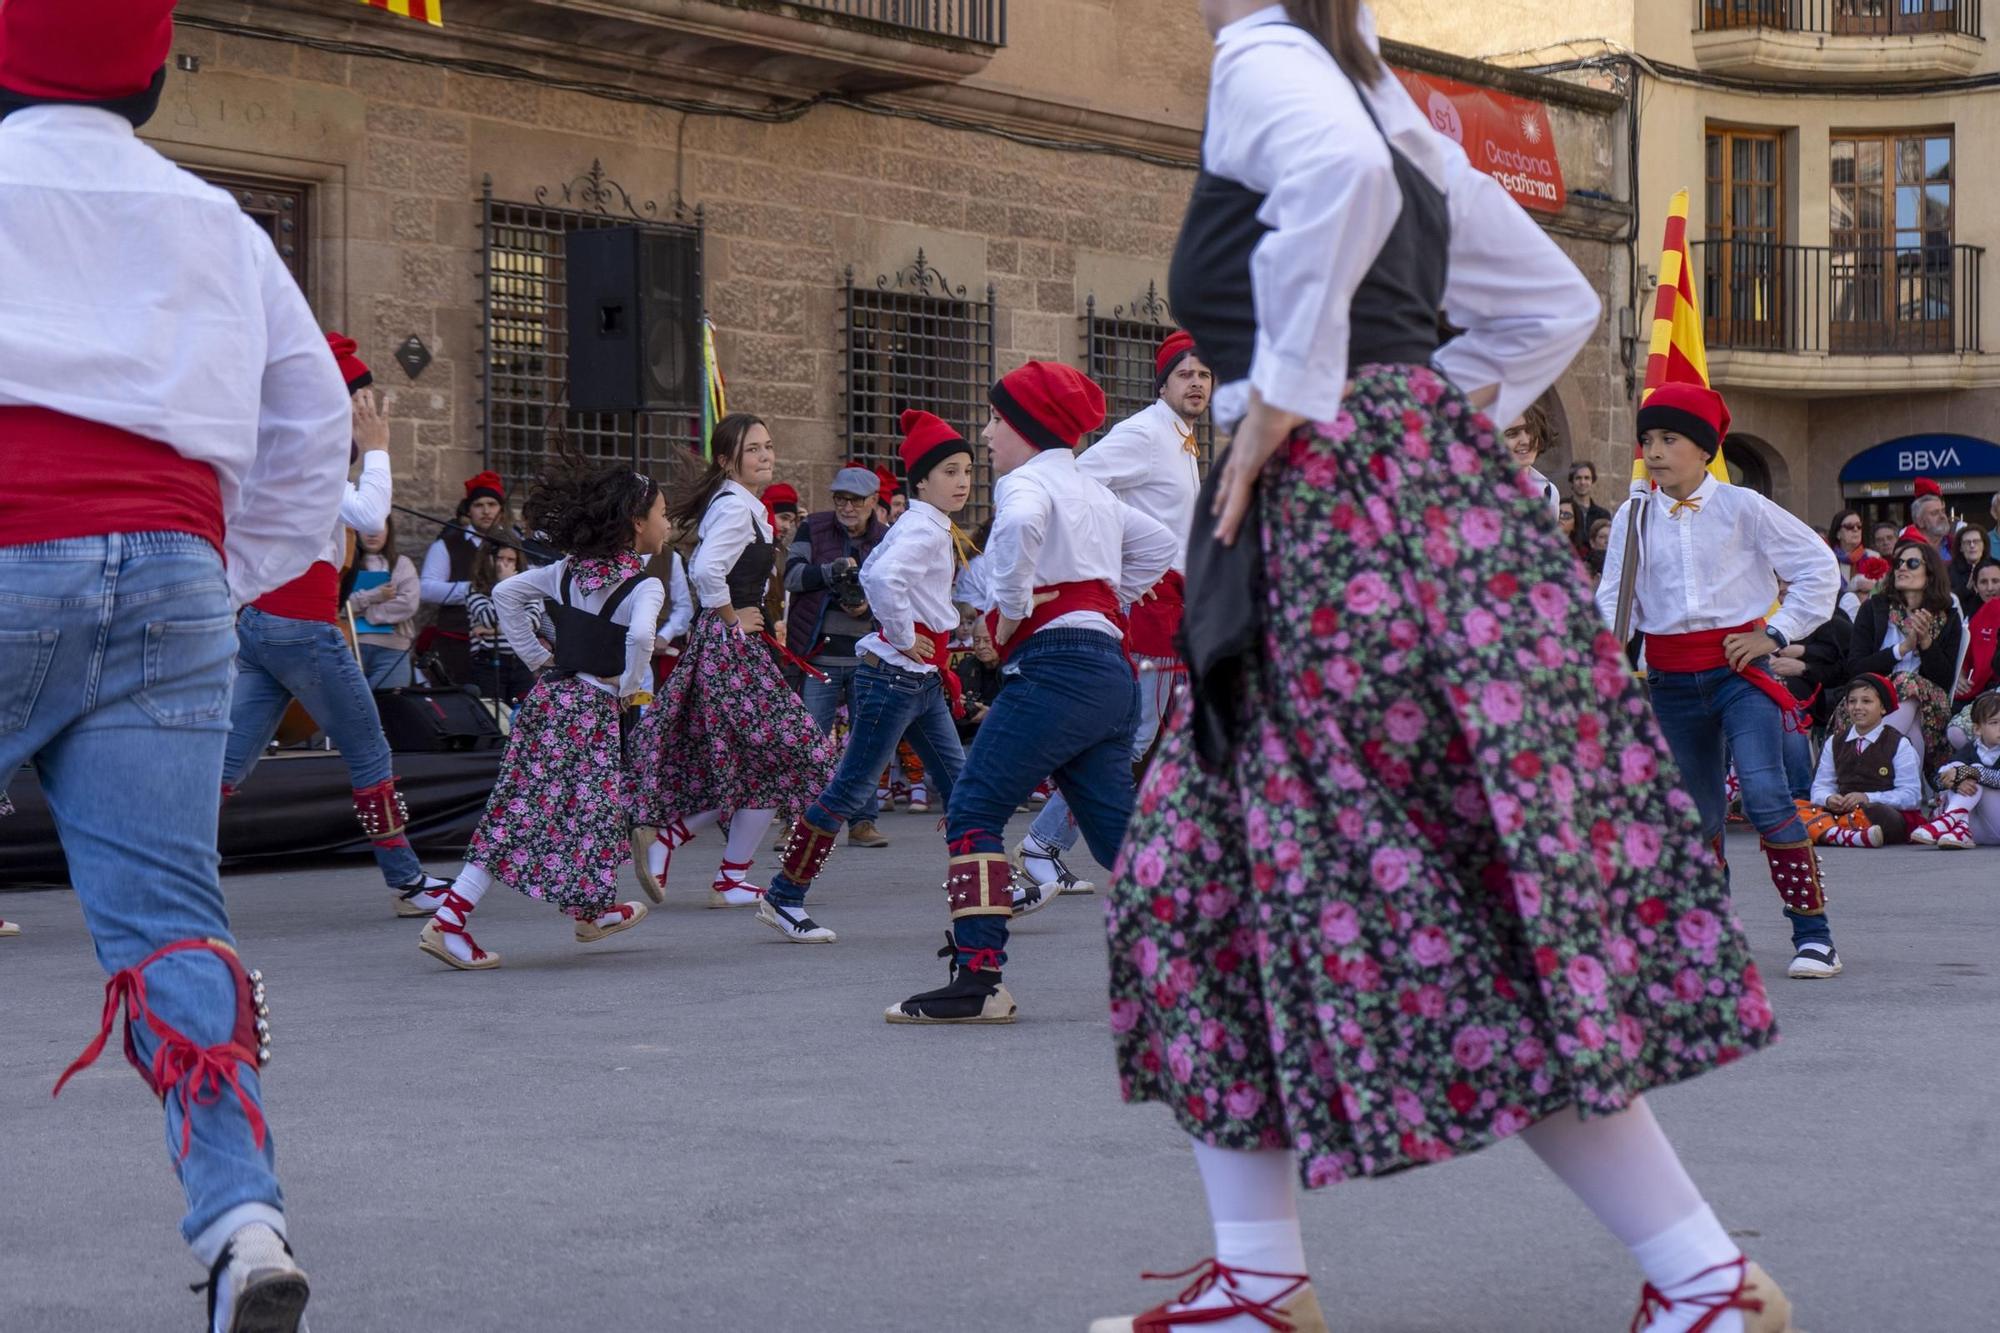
1869	785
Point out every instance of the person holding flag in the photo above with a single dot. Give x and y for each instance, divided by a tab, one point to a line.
1695	565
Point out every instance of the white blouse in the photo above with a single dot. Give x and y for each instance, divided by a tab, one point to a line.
639	613
1285	122
734	520
1145	462
908	580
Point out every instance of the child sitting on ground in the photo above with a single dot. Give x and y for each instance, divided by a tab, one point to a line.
1869	785
1967	818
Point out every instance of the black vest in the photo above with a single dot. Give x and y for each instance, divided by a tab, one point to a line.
1858	769
588	642
750	577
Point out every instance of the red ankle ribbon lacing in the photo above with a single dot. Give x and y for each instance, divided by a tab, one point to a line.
1208	1275
197	1074
980	960
1653	1301
723	882
461	909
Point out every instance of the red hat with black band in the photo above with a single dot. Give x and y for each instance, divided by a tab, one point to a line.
352	368
1882	686
485	486
1691	410
927	442
1050	405
104	53
780	498
1178	347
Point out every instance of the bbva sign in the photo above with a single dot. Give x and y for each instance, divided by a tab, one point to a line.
1911	456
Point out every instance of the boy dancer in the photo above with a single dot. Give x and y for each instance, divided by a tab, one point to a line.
904	681
1064	555
1712	556
1151	462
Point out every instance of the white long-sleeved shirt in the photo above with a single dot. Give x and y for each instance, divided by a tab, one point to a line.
134	294
735	519
679	615
1052	524
1284	121
1718	566
639	613
364	506
1906	794
440	589
908	578
1146	462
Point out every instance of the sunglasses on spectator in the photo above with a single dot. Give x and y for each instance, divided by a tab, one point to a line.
1910	562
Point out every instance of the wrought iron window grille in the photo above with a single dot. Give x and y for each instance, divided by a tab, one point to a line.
524	358
1119	351
912	339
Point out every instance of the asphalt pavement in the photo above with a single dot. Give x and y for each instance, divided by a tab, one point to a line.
700	1126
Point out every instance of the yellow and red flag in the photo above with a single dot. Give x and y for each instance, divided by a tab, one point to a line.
1678	354
424	11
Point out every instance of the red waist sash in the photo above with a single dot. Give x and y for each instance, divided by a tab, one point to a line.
67	477
1152	625
954	689
313	595
1082	595
1701	650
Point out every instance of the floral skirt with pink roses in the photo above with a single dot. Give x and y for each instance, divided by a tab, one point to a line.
1449	885
556	826
727	734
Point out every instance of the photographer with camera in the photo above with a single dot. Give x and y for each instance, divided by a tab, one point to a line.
829	610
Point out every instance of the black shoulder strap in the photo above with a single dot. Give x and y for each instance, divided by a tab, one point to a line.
562	593
617	599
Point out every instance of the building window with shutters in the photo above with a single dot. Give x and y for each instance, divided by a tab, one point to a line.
1895	272
281	208
1745	264
914	340
1120	351
524	326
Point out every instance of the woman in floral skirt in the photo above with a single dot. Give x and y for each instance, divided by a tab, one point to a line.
555	826
1414	875
729	742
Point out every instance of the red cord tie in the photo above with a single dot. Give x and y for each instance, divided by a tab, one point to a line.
1210	1274
981	960
1653	1301
461	909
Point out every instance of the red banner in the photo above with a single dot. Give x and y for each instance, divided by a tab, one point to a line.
1506	137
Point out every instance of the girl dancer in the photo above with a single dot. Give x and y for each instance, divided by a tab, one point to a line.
728	743
905	681
555	826
1383	903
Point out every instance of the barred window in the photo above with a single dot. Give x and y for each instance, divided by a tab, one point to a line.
524	364
1119	351
279	207
914	340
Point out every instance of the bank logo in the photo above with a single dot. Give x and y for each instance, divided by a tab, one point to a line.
1926	460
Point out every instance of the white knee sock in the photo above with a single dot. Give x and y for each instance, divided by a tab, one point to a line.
746	833
1626	1172
1255	1212
657	854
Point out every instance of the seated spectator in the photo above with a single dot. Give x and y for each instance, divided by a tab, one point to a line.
1810	668
1909	632
383	592
1869	787
1968	552
1600	542
1845	536
496	671
1866	580
1967	818
1882	538
1982	630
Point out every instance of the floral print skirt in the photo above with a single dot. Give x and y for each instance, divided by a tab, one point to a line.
557	826
728	734
1448	885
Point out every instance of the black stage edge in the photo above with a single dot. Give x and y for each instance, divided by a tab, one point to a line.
295	803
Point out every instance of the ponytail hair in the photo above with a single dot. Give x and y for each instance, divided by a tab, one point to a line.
1337	25
725	449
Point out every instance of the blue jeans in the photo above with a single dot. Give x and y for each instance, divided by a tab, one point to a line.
1798	764
278	660
1068	713
115	661
387	668
823	699
888	702
1710	718
1055	826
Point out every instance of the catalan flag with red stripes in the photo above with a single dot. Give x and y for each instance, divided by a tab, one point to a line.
1678	354
425	11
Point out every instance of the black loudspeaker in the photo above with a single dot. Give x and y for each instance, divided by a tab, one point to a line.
634	319
430	720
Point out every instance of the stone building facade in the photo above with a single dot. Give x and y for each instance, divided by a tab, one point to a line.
884	205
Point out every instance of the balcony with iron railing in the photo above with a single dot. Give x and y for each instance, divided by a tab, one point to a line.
1843	319
982	21
1830	41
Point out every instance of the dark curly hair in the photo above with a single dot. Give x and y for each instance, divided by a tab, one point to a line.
586	510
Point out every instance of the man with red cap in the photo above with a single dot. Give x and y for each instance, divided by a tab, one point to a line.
290	646
173	439
1152	462
1930	515
1063	559
446	578
904	684
1712	556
